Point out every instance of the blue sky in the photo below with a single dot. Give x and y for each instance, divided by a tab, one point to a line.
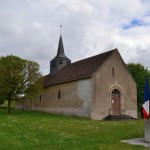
136	23
30	29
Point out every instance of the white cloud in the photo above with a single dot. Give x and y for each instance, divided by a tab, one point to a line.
79	6
30	29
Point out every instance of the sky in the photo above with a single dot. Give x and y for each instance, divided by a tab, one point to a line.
30	29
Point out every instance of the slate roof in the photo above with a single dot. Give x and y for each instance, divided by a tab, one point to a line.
78	70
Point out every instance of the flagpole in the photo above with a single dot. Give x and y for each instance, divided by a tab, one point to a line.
146	111
149	110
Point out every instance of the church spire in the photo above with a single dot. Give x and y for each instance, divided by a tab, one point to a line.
60	60
60	51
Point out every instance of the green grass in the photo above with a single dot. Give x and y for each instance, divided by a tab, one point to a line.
23	130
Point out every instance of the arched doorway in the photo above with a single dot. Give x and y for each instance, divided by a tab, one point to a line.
115	100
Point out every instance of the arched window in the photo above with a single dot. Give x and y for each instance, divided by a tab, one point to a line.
40	97
59	94
113	71
115	92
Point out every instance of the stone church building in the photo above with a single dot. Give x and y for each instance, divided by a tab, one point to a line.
95	87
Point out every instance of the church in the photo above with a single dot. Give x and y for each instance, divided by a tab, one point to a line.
96	87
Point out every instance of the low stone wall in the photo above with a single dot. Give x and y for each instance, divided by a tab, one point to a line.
147	130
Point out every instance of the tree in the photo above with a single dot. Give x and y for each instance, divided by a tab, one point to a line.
18	78
138	73
1	102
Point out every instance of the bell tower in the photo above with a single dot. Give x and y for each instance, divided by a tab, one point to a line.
60	59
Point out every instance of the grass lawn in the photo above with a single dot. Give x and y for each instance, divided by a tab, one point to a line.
23	130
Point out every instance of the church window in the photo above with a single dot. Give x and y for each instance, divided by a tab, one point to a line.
40	97
59	94
113	72
116	92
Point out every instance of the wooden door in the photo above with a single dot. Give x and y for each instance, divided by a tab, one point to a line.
115	100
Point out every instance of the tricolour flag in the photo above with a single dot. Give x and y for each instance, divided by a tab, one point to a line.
146	100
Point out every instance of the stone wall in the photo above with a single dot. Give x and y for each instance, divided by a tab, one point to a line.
104	81
74	99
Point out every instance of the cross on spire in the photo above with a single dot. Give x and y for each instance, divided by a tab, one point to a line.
60	28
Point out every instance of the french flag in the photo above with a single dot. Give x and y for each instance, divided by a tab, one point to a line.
146	100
